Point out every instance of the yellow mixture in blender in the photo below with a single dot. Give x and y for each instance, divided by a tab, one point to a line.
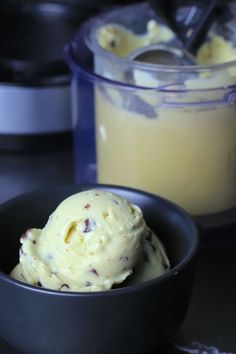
185	154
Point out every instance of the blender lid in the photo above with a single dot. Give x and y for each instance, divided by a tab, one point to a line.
33	35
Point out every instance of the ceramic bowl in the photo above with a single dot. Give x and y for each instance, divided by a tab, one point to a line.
135	319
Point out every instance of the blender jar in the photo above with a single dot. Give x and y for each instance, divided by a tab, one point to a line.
166	130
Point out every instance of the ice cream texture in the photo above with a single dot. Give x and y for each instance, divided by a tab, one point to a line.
92	241
216	50
122	41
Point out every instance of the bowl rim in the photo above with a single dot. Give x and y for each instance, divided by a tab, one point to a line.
172	272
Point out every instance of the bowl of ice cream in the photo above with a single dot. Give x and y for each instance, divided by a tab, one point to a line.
84	268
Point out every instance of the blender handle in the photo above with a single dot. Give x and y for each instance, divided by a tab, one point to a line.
231	97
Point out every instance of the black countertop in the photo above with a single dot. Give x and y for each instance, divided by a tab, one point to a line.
210	324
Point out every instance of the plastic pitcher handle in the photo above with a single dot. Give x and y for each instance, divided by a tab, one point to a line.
231	98
189	19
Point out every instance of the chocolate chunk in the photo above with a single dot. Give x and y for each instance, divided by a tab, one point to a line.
97	194
88	283
64	286
89	225
34	242
25	235
87	206
39	284
94	271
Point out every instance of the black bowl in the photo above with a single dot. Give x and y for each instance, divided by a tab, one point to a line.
131	320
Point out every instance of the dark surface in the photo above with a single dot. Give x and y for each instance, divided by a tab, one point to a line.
211	319
35	142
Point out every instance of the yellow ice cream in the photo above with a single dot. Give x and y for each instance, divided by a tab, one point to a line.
184	155
121	41
216	51
93	240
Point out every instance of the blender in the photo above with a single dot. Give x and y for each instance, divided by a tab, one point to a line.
166	129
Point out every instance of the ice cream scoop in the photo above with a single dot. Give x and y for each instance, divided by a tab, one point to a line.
92	241
162	54
190	20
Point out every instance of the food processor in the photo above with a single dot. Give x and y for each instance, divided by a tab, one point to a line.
169	130
35	111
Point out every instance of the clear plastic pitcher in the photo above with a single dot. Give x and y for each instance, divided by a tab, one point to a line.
167	130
